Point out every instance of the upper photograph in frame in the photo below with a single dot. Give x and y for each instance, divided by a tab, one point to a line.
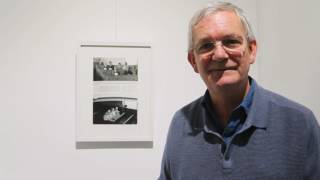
113	92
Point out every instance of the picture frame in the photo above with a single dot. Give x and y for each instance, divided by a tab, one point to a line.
113	93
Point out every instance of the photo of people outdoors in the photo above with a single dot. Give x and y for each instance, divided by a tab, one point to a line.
114	69
115	110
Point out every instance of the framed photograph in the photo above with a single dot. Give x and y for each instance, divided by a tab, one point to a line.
113	92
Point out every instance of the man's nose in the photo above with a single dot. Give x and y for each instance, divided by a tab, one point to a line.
220	53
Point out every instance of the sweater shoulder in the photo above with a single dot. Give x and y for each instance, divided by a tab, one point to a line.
283	102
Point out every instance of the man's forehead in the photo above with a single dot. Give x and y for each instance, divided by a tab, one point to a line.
219	23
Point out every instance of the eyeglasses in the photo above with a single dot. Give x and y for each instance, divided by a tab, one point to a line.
232	45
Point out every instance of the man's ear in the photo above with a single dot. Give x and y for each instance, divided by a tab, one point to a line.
192	61
253	51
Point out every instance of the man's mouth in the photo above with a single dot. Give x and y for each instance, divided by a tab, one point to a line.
224	69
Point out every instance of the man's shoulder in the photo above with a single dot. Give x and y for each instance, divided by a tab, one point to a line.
286	115
281	102
189	109
189	116
281	111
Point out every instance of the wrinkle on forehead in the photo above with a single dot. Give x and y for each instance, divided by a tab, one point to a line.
218	25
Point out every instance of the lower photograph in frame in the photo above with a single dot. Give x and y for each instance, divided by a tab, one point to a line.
113	94
115	110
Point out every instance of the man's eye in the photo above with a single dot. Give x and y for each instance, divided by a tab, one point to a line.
231	43
206	46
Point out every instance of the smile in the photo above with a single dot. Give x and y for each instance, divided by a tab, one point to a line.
224	69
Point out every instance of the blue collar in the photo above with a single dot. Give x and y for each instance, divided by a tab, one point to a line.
257	116
241	111
247	101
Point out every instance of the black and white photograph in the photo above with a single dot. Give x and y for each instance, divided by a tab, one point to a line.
115	110
113	92
114	69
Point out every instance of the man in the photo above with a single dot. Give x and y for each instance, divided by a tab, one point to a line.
237	130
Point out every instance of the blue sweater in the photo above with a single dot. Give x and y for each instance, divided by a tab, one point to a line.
279	140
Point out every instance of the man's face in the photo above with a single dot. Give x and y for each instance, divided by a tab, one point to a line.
221	55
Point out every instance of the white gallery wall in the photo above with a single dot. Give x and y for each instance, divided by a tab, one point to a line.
289	49
39	41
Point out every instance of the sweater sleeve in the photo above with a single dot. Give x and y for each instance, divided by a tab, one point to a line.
165	167
165	171
312	163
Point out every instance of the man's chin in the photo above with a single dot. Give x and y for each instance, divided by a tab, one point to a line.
225	81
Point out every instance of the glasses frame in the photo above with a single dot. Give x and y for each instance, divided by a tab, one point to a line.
237	48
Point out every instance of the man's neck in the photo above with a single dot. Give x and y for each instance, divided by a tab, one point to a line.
226	99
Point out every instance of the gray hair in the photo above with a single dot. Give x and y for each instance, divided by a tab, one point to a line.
214	8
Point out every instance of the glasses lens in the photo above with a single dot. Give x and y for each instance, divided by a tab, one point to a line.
205	47
232	45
